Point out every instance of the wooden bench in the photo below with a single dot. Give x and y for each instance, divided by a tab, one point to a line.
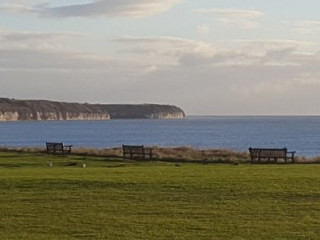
257	154
58	148
131	151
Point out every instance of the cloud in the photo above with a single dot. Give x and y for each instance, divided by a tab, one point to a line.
44	42
166	44
30	50
239	77
34	51
251	77
168	51
15	8
108	8
306	26
176	51
233	13
41	65
243	19
203	29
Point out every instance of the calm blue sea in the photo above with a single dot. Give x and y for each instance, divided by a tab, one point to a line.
300	134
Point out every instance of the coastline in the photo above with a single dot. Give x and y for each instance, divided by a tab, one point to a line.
15	110
182	154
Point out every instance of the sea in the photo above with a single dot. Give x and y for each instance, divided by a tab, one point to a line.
297	133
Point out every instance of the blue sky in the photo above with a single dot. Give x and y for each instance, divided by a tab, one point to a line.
212	57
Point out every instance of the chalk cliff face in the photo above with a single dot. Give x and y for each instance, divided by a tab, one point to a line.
16	110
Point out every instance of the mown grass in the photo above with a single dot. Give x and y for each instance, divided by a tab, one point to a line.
116	199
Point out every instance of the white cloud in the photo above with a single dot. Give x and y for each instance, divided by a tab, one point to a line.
15	8
175	51
108	8
243	19
242	24
306	26
166	44
33	40
261	47
34	51
203	29
233	13
168	50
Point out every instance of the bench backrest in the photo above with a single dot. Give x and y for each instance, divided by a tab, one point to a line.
133	148
268	152
51	147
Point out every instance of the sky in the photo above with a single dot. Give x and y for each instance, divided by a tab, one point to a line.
209	57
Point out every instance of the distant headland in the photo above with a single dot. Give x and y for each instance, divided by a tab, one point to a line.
23	110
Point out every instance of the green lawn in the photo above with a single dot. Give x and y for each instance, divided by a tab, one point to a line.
113	199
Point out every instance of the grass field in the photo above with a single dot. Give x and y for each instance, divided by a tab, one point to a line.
116	199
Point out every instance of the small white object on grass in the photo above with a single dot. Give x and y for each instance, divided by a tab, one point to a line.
50	164
84	165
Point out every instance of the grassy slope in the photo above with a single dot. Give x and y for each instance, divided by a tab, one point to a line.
131	200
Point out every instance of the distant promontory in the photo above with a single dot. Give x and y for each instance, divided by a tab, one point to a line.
21	110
